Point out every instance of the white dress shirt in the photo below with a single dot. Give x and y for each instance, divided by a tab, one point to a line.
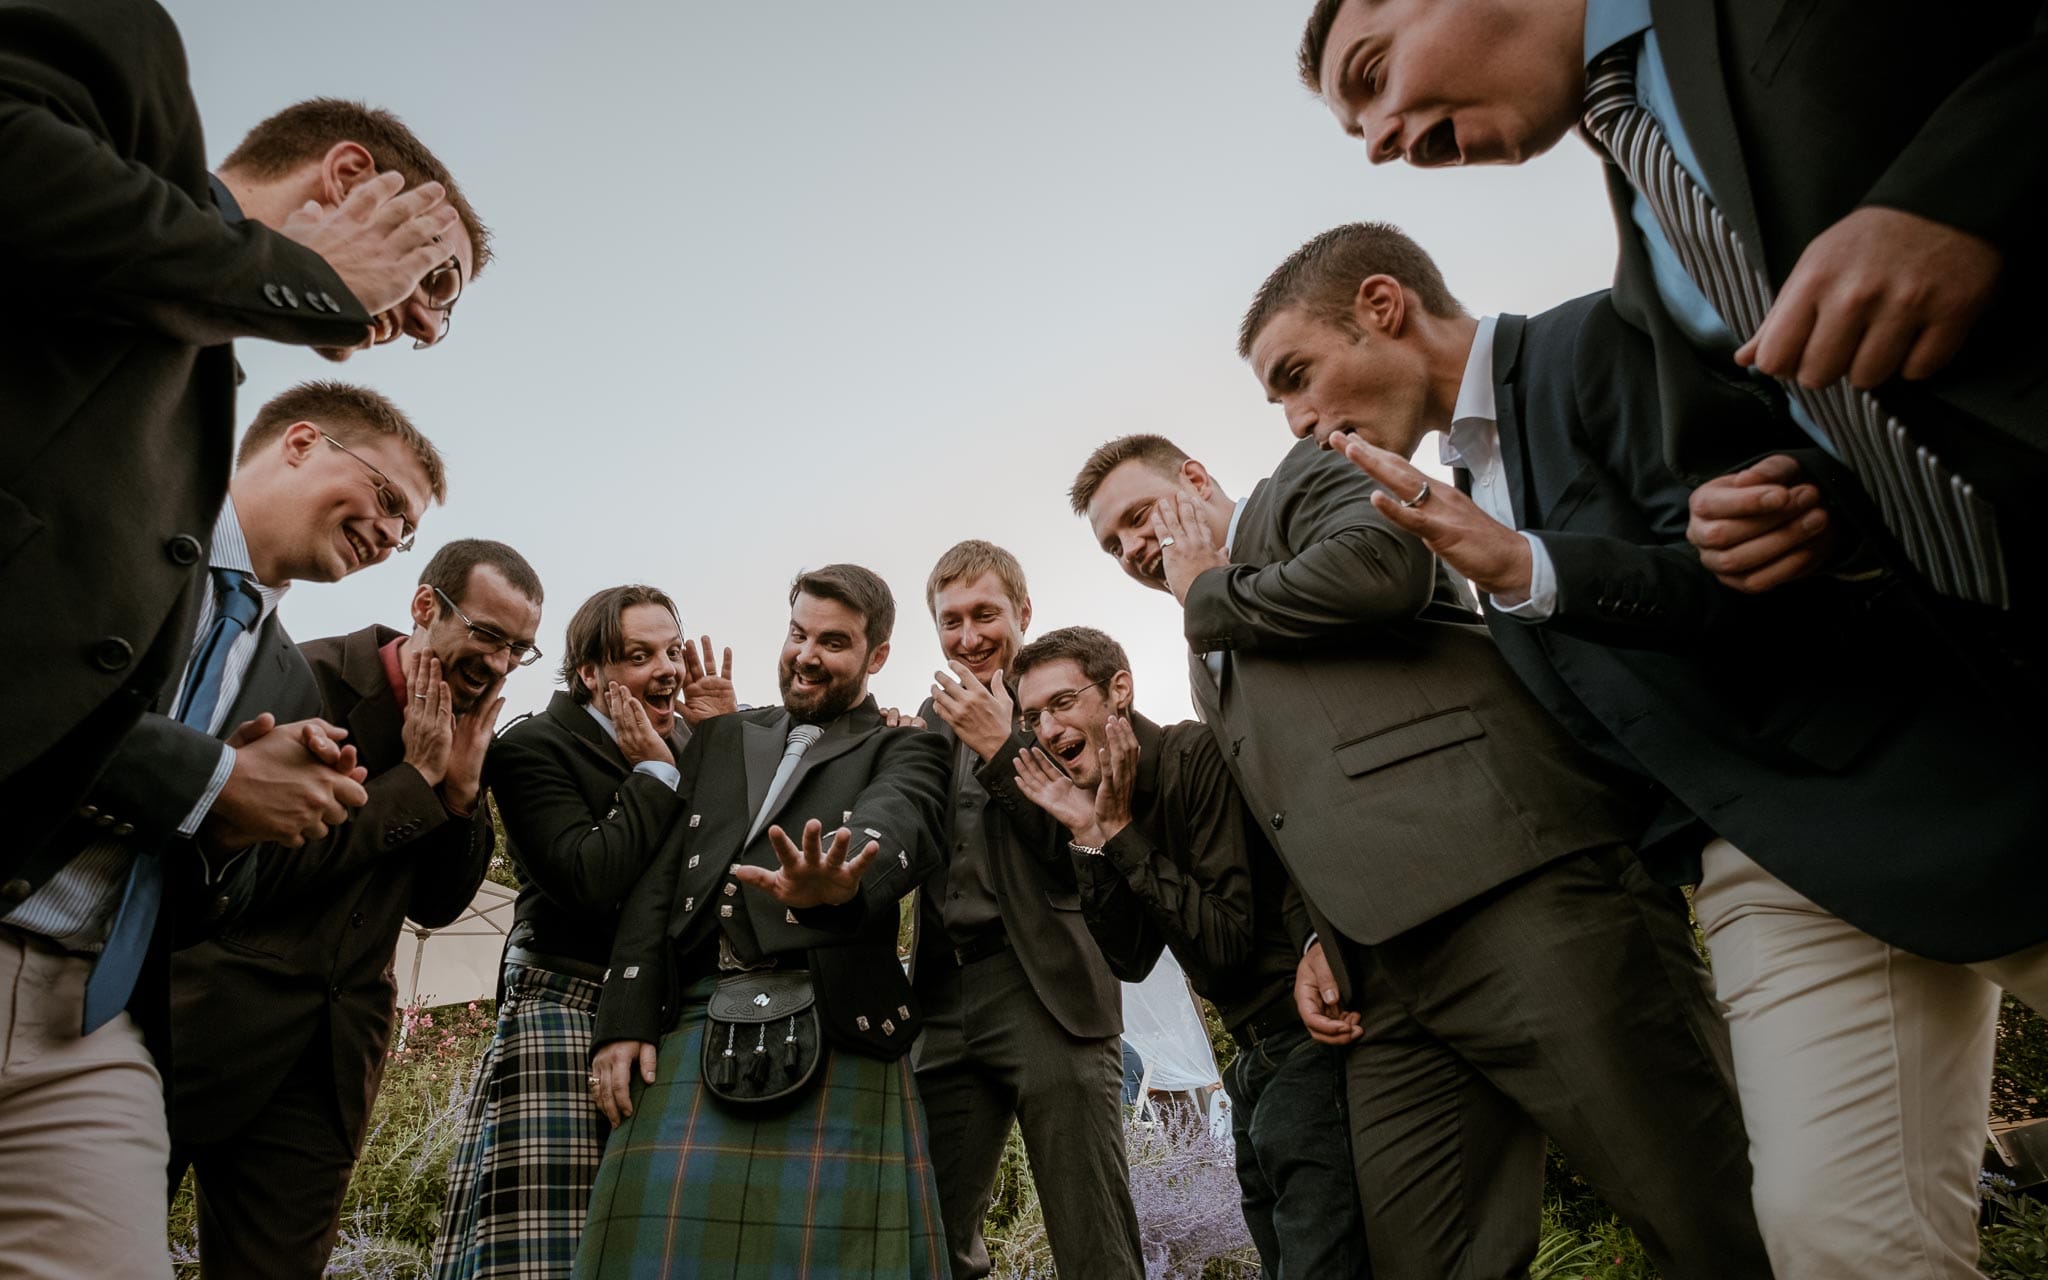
1473	442
1214	658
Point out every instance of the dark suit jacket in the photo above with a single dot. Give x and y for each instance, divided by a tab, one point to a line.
125	286
581	825
1820	728
884	784
315	948
1191	872
1036	891
1802	112
1400	767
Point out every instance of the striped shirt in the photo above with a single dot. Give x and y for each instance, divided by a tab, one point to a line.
75	907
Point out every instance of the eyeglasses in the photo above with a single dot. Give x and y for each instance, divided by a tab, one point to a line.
1059	704
389	500
442	286
493	640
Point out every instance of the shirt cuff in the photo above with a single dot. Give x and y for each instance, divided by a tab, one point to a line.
190	826
661	771
1542	600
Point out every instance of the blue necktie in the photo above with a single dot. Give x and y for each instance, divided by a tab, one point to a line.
236	606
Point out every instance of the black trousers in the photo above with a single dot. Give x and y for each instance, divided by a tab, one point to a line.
270	1193
1568	1002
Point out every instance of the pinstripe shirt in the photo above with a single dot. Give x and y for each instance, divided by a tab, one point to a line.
75	907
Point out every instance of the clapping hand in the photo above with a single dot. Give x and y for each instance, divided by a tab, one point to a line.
982	716
1053	791
463	784
1188	547
381	239
429	733
1092	817
814	875
1761	527
706	692
638	741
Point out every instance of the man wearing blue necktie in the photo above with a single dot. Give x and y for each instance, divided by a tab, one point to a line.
332	479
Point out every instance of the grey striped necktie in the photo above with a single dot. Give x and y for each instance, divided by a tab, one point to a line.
1947	530
801	736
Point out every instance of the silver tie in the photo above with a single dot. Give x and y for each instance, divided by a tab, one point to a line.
1948	531
801	737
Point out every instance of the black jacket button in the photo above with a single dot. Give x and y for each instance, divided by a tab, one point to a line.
16	890
113	654
183	549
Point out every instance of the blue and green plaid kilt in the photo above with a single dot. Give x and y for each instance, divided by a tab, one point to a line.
837	1185
519	1183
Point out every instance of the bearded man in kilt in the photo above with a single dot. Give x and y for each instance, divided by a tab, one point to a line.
832	1180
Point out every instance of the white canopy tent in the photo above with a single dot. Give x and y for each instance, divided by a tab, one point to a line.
1164	1024
458	962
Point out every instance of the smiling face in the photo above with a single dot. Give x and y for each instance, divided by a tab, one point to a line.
826	661
472	658
1443	82
311	510
1069	713
1332	383
980	627
1120	514
650	664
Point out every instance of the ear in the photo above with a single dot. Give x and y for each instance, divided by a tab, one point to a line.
299	442
1197	477
344	165
1120	692
877	656
1380	307
588	674
1024	616
426	606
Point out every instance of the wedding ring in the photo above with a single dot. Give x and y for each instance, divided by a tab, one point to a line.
1418	499
593	1082
419	697
1166	541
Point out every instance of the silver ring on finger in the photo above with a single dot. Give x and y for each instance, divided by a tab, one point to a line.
1166	541
1418	499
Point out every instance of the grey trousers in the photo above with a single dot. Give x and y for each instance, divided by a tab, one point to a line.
1569	1002
992	1055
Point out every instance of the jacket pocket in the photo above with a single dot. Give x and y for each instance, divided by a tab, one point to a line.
1405	741
243	947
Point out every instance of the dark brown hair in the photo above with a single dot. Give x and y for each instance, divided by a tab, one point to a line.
1157	452
1098	656
348	413
450	569
1323	278
861	590
1313	39
966	561
597	634
307	130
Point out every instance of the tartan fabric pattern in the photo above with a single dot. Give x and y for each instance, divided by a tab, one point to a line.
836	1187
519	1183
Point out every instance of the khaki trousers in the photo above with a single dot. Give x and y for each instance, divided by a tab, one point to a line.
1865	1078
83	1145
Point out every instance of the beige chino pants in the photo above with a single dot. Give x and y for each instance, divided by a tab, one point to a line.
1865	1078
83	1144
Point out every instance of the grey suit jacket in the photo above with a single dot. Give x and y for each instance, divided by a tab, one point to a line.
1399	766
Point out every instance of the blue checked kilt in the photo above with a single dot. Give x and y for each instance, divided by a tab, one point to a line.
519	1182
838	1186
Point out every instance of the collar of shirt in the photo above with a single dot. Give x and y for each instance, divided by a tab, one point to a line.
604	721
224	200
394	669
231	551
1609	22
1475	395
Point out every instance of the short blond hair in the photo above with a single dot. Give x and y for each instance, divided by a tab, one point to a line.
966	561
348	413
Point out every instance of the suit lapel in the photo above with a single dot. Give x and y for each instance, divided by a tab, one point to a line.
762	746
1507	351
376	715
266	679
1689	36
840	737
588	733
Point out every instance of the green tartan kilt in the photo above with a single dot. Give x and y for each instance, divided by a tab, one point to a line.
838	1184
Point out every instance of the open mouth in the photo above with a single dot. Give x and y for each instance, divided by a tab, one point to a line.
362	550
1069	751
806	682
664	702
1437	147
387	325
976	659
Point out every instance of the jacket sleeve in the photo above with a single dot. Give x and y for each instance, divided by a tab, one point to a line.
1117	917
449	864
1034	827
159	772
579	858
1198	887
404	816
1348	571
96	233
636	994
903	809
1967	167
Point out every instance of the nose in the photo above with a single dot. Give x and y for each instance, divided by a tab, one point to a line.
420	322
500	662
1301	420
1131	546
1383	140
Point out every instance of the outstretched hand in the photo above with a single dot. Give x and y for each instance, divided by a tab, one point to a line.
1053	791
814	875
1496	558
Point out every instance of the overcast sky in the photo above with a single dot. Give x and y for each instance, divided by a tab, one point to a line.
786	283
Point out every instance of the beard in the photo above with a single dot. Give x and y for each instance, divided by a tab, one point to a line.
818	705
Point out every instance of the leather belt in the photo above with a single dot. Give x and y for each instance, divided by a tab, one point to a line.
555	964
1275	1018
990	943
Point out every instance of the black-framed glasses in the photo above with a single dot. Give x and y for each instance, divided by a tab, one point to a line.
442	286
1058	704
389	498
491	638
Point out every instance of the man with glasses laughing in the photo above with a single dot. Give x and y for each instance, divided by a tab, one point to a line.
280	1026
